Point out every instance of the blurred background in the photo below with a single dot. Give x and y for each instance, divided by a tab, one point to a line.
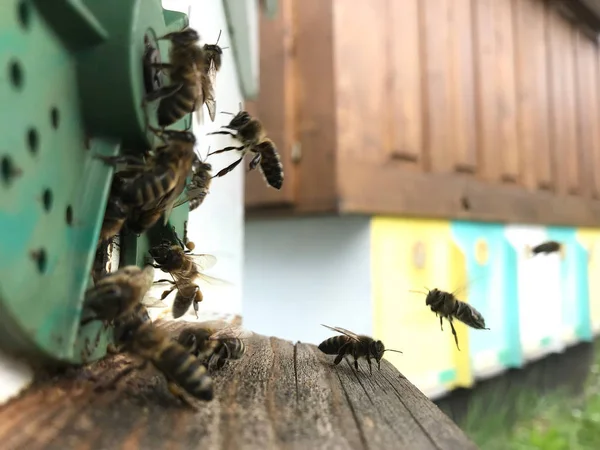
425	144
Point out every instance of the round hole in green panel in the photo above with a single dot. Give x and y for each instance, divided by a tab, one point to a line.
69	215
24	13
40	258
47	199
54	117
7	169
16	74
33	140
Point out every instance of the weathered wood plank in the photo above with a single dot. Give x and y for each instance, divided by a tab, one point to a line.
279	396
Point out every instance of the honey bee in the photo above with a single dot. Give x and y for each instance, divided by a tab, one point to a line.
118	293
547	247
250	132
193	70
199	185
185	268
138	336
209	344
356	345
116	210
446	305
153	191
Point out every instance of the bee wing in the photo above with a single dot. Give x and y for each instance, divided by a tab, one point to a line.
153	302
209	98
345	332
191	193
213	280
200	100
203	261
232	332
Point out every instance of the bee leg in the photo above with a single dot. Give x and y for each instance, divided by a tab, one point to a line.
229	168
442	324
370	367
88	320
254	162
113	383
178	392
340	355
163	92
229	133
226	149
454	333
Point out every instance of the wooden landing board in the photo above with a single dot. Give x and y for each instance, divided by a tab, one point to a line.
279	396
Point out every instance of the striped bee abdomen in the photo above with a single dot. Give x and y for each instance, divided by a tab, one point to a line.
333	345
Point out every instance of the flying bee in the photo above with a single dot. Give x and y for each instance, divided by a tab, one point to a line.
193	71
118	293
185	268
138	336
547	247
209	344
356	345
199	185
251	134
446	305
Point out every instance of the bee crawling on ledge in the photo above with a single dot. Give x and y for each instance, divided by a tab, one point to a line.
356	345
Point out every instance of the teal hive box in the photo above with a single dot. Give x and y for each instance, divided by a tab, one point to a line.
72	86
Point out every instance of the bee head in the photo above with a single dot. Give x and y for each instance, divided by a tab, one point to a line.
433	297
213	48
188	340
181	136
239	120
161	252
186	36
377	349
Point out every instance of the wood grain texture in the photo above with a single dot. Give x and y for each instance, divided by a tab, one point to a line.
278	396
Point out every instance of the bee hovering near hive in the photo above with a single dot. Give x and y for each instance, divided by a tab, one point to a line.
193	72
251	134
185	268
547	248
446	305
138	336
359	346
209	344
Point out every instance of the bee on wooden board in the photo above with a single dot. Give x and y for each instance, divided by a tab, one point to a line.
251	134
359	346
118	293
209	344
193	71
185	268
547	248
138	336
160	181
446	305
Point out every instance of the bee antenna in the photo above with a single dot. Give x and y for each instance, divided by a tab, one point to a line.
227	112
391	350
218	37
224	48
240	106
418	292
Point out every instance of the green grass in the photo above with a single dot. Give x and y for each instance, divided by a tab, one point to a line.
557	421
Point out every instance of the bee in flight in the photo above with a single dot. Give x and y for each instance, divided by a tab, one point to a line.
185	268
139	337
251	134
193	73
547	247
446	305
209	344
117	293
356	345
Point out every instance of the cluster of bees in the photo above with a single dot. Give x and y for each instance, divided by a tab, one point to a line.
149	187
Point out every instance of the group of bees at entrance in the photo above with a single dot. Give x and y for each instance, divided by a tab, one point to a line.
148	187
